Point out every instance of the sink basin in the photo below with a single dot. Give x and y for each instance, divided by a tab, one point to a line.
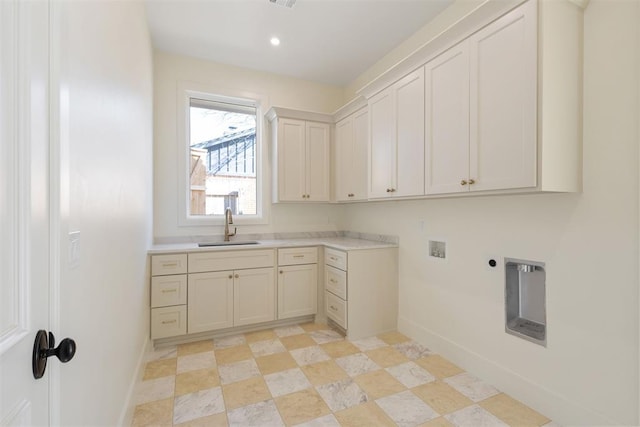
232	243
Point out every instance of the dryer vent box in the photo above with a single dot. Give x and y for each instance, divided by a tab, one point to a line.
525	301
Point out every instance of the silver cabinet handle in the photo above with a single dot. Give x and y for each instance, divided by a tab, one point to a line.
166	291
166	322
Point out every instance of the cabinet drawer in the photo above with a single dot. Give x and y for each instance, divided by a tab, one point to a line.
336	309
162	265
335	258
168	321
294	256
168	290
231	260
335	281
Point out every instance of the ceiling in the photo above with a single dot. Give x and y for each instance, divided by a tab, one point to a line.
328	41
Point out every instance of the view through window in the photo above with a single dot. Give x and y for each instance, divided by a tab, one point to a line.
223	147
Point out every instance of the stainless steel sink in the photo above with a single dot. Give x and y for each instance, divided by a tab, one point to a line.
232	243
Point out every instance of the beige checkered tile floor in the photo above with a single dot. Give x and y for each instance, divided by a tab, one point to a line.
309	375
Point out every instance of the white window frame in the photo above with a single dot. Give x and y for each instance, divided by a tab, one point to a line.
186	91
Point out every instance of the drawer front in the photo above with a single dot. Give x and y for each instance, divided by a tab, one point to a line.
335	258
168	321
162	265
335	281
230	260
336	309
295	256
168	290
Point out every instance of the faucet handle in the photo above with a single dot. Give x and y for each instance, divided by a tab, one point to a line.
235	229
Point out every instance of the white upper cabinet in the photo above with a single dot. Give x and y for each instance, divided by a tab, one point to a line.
503	61
396	158
502	105
481	109
301	159
351	139
447	121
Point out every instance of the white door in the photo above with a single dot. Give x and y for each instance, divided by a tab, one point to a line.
210	297
447	122
291	160
344	158
359	161
317	159
503	90
382	148
254	296
24	209
410	135
297	290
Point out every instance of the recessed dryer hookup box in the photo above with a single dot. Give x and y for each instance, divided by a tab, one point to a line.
525	301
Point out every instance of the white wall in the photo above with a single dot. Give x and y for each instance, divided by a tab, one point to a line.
169	72
106	140
440	23
588	374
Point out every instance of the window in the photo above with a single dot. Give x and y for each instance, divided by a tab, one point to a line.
221	161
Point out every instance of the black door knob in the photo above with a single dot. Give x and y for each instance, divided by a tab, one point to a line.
44	348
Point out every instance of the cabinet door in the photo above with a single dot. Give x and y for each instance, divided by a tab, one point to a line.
382	148
344	145
359	157
291	160
447	122
254	296
352	138
410	135
317	161
210	301
503	102
297	290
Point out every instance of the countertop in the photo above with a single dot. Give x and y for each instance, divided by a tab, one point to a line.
341	243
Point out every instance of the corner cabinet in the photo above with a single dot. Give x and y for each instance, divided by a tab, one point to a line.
301	156
361	290
297	282
351	139
396	158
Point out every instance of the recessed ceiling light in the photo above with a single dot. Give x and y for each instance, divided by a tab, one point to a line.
275	41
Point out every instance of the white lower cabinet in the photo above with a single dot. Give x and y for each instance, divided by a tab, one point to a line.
168	295
297	282
210	301
361	290
168	321
254	296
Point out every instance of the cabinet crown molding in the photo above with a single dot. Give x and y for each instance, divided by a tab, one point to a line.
349	108
279	112
464	27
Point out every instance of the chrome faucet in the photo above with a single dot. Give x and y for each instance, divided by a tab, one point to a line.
228	219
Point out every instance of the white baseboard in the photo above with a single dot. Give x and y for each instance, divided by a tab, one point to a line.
559	408
126	416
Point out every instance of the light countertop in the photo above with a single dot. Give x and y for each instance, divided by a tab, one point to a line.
335	242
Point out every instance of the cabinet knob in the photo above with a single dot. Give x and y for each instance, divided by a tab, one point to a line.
388	190
463	182
472	181
237	276
231	276
281	271
350	194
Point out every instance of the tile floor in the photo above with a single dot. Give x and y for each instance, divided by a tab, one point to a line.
311	376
